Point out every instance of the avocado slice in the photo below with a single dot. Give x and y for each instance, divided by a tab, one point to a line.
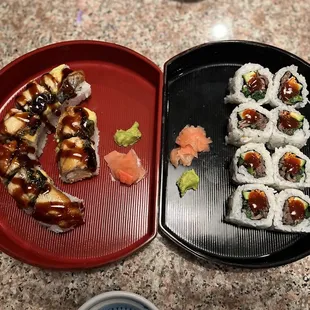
246	194
248	76
295	99
299	117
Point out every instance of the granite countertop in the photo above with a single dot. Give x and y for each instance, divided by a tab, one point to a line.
158	29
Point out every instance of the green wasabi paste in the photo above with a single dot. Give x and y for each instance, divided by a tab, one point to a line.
129	136
188	180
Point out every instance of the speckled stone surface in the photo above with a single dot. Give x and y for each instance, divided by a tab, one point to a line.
159	29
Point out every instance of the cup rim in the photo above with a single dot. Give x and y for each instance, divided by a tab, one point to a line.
117	294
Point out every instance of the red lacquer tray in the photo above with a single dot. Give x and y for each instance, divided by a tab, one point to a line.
126	87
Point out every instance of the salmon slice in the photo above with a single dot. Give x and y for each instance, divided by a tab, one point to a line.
194	136
184	155
125	168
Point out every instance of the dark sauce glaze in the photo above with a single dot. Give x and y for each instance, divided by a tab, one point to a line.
86	154
31	123
257	201
296	208
252	159
77	121
28	187
64	214
287	121
17	151
289	87
292	163
257	82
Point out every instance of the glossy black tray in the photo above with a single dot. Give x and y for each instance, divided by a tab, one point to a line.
195	86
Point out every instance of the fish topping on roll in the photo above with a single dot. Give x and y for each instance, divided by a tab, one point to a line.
76	122
292	167
26	185
255	204
57	210
253	162
14	155
295	210
24	126
289	122
255	85
250	118
76	159
290	89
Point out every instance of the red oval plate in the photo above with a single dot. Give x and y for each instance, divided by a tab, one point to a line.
126	87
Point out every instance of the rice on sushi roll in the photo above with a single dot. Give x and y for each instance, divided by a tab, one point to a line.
252	205
289	88
290	127
293	214
249	123
291	168
252	164
251	83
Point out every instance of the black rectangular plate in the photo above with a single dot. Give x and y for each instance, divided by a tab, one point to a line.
194	89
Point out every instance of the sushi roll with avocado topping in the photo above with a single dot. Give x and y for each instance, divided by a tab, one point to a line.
251	84
249	123
290	127
24	126
77	159
252	205
252	164
292	168
289	89
293	212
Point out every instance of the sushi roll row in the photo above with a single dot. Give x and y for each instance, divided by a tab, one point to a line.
257	205
288	167
278	127
23	132
77	149
254	84
34	191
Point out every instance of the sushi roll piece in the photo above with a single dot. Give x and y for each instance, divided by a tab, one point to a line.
252	164
77	122
289	89
71	88
24	126
293	212
251	83
252	205
26	185
58	211
77	159
290	127
38	100
249	123
14	155
291	168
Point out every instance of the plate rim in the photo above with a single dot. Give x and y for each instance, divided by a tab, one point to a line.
35	259
235	262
